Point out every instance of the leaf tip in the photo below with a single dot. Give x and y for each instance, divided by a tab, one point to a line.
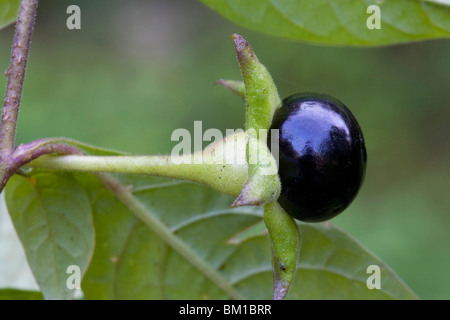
243	49
241	201
238	87
236	37
280	291
220	81
247	197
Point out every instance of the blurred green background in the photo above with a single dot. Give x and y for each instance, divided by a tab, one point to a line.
137	70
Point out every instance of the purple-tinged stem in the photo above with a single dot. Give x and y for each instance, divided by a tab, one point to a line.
33	150
28	152
16	76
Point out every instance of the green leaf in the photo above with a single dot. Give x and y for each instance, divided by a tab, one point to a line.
339	22
15	294
132	262
330	256
52	216
9	9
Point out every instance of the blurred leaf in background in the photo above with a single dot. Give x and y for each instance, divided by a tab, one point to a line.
136	71
8	11
341	22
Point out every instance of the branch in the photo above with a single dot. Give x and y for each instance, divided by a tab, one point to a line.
13	95
11	160
30	151
16	76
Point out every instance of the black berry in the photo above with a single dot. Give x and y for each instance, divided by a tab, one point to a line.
322	156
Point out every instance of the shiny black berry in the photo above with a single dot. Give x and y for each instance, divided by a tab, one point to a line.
322	156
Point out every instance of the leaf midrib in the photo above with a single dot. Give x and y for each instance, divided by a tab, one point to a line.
160	229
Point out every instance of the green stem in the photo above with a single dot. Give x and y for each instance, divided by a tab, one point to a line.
225	178
123	193
209	167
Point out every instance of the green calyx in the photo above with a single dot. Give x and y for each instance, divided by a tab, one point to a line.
261	96
263	185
